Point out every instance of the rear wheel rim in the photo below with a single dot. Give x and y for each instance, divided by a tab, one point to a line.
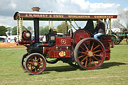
35	63
89	53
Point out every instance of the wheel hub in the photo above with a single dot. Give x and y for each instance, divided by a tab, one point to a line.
90	53
35	64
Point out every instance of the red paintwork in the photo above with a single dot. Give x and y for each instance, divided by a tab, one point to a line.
24	37
80	34
106	40
60	16
63	41
55	53
22	42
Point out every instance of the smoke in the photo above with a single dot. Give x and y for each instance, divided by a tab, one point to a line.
123	16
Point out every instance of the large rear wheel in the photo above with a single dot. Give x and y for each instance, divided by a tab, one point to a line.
35	63
89	53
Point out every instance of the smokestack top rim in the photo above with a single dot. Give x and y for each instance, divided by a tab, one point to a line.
36	9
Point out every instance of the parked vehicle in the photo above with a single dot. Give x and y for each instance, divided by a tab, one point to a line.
76	49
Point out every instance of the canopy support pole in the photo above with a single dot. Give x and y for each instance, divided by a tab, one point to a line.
110	26
17	29
66	26
49	25
105	25
21	22
76	23
72	25
70	28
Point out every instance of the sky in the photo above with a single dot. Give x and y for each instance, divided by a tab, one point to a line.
9	7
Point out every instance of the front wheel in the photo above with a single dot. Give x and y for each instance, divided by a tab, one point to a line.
89	53
35	63
23	60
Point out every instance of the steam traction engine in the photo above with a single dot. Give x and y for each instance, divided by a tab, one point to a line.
76	49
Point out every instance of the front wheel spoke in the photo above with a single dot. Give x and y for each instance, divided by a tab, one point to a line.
35	69
35	58
29	66
32	67
38	59
30	62
40	62
96	51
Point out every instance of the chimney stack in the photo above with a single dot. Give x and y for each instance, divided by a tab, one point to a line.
36	25
36	9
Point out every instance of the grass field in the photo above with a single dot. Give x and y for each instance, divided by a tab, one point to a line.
112	72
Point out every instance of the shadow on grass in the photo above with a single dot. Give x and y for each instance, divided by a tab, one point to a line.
111	64
61	68
70	68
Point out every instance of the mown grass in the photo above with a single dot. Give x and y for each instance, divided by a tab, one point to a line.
112	72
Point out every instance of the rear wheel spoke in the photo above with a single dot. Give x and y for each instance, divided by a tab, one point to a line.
92	46
86	46
89	61
94	63
96	47
86	62
84	59
82	48
97	51
96	59
81	52
81	56
99	55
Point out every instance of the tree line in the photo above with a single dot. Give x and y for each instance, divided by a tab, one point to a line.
62	28
4	31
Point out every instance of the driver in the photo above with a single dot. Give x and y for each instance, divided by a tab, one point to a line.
99	30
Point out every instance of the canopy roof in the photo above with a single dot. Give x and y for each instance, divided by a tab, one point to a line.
62	16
